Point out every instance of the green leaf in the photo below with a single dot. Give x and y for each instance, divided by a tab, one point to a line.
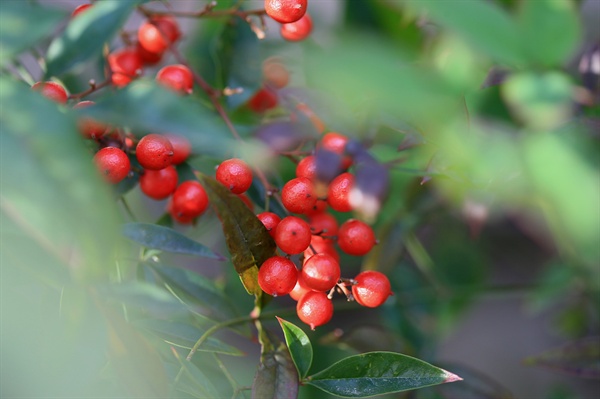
23	24
549	30
146	107
184	335
299	346
578	358
84	36
376	373
276	376
144	296
166	239
482	23
249	242
199	379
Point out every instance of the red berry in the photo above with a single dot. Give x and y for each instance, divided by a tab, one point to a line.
156	34
277	276
336	142
52	90
188	201
307	167
125	64
298	195
319	207
355	237
275	73
148	57
292	235
270	220
113	163
176	77
297	31
285	11
235	174
299	289
159	184
246	200
263	100
338	192
181	148
372	288
79	9
88	127
314	309
321	272
319	245
154	152
323	223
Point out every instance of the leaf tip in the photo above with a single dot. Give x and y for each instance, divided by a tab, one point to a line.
450	377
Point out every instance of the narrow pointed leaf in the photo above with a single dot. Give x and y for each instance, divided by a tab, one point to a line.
247	238
376	373
197	377
299	346
579	358
166	239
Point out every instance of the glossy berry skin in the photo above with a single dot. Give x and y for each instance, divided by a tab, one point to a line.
148	58
156	34
286	11
263	100
88	127
277	276
270	220
125	65
299	289
307	167
314	309
159	184
176	77
372	288
319	245
181	148
52	91
338	192
321	272
113	163
188	201
323	223
297	31
355	237
292	235
79	9
298	195
336	142
154	152
234	174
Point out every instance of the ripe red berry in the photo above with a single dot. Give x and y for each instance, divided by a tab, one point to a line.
176	77
277	276
52	90
79	9
319	207
159	184
298	195
338	192
285	11
321	272
181	148
246	200
323	223
156	34
314	309
88	127
372	288
270	220
292	235
307	167
148	57
154	152
319	245
336	142
355	237
113	163
125	64
263	100
299	289
235	174
297	31
188	201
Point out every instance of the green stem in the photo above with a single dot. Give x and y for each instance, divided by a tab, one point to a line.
423	261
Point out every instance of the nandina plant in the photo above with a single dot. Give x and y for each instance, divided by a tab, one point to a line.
178	197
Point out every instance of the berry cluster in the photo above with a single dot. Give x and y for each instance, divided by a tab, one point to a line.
313	233
295	22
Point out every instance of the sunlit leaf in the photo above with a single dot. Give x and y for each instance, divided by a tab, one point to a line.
299	346
166	239
579	358
247	238
376	373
